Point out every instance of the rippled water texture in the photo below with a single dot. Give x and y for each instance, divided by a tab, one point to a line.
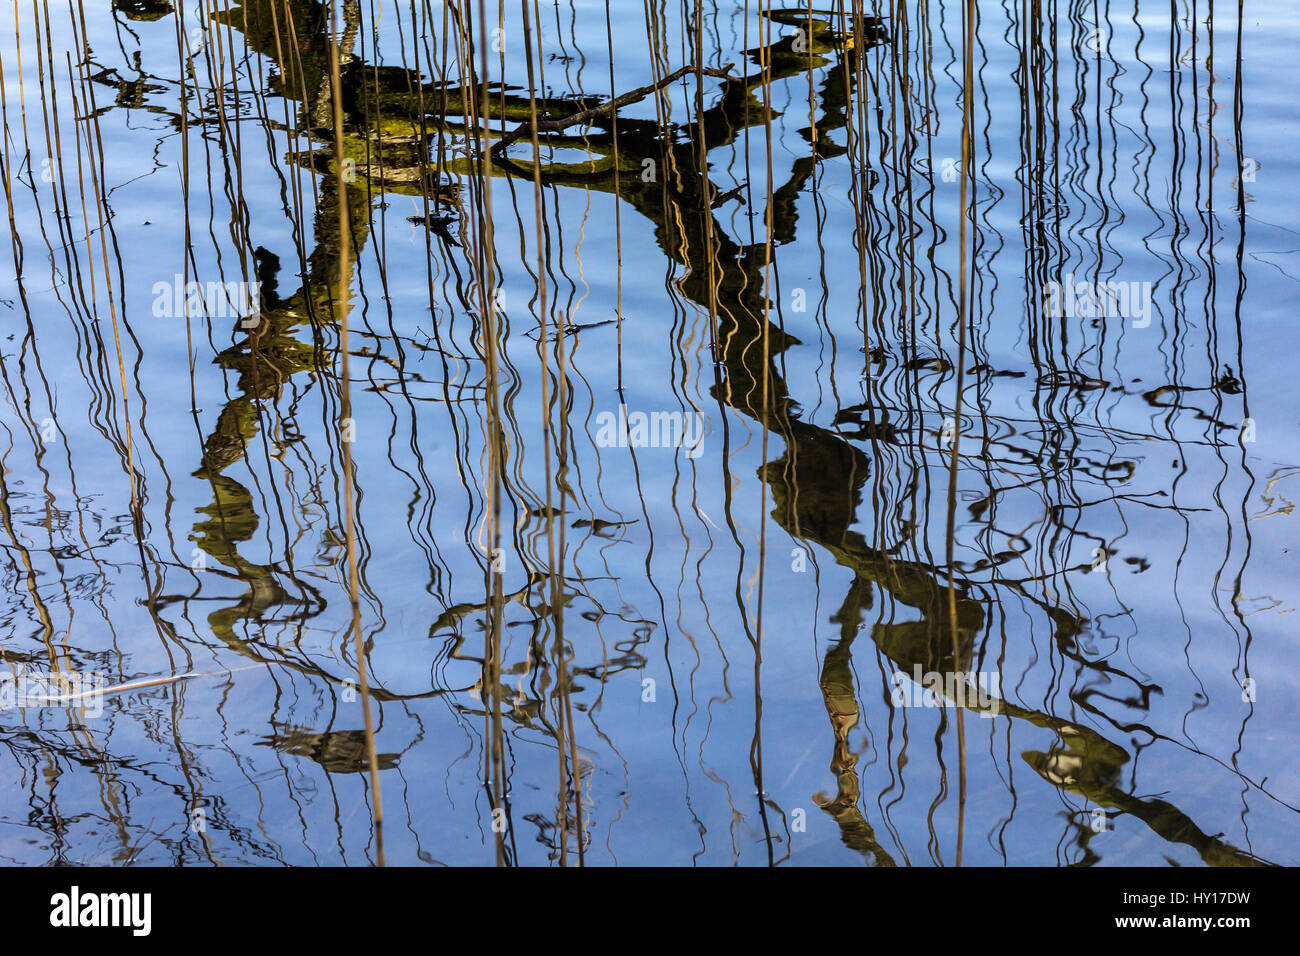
760	471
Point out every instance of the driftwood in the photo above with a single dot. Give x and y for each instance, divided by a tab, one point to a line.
632	96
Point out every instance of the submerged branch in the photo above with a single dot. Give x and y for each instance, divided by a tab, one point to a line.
559	125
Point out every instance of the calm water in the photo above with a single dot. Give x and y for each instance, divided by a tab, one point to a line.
652	523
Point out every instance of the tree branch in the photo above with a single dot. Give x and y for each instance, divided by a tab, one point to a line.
559	125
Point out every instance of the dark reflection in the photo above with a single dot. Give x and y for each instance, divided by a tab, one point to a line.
338	751
143	9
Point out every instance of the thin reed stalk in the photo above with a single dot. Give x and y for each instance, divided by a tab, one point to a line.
343	305
963	321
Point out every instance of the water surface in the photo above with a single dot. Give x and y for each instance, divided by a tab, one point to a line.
676	457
